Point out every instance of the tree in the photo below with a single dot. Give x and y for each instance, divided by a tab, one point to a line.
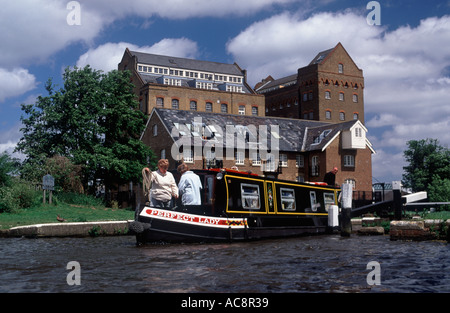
428	164
93	121
8	167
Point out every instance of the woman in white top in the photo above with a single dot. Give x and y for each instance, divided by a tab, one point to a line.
163	185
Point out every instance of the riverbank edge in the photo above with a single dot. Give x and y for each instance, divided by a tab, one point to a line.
399	230
71	229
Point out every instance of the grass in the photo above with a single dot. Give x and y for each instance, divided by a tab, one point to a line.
442	215
46	213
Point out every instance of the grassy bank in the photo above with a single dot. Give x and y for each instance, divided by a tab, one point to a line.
46	213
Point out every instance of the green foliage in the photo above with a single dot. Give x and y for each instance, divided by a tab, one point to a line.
19	195
8	167
79	199
94	122
428	167
439	191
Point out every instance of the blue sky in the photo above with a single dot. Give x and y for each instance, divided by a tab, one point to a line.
406	59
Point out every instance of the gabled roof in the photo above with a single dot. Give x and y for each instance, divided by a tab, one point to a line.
188	64
294	135
278	83
321	56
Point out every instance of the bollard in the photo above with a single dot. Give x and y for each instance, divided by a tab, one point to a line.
398	205
346	211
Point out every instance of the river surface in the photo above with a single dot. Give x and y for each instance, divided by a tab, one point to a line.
328	263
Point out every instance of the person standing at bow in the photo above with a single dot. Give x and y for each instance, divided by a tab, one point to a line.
163	185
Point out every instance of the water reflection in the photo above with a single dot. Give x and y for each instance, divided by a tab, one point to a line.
307	264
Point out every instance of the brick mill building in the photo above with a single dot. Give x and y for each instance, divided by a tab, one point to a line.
319	112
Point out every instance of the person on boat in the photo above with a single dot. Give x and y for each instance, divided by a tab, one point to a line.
163	185
189	186
330	177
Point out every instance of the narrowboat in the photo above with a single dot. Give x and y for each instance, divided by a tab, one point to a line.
239	206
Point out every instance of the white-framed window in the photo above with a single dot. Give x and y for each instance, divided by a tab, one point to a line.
250	197
355	116
349	160
204	85
188	156
160	102
242	109
270	164
155	130
193	105
172	81
287	199
163	153
340	68
328	114
240	157
341	96
254	110
233	88
328	199
175	104
314	204
315	166
327	94
342	116
300	160
224	108
208	107
358	132
351	181
283	160
256	159
355	98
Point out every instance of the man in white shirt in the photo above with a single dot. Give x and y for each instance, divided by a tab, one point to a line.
189	186
163	185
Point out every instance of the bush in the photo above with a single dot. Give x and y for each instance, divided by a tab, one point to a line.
19	195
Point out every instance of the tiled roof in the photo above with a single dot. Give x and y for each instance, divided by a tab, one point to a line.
295	135
188	64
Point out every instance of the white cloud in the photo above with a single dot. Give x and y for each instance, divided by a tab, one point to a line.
9	139
32	30
182	9
387	166
107	56
15	82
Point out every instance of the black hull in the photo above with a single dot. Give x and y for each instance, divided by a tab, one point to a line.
170	226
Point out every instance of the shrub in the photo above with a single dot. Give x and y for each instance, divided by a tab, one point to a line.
19	195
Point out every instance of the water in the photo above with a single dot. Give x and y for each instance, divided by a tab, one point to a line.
308	264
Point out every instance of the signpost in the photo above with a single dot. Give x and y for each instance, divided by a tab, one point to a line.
48	183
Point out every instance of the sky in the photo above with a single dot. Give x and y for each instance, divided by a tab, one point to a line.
405	56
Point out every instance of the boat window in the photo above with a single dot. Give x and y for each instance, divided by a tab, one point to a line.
314	204
250	197
287	199
328	199
209	183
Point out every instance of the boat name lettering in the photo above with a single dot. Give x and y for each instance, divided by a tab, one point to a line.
184	217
